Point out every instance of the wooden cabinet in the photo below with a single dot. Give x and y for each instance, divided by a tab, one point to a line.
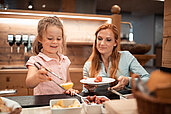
15	79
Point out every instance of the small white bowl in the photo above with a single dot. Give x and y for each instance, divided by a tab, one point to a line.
66	102
94	108
15	107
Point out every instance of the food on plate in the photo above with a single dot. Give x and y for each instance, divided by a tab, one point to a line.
98	79
3	107
60	104
67	85
96	100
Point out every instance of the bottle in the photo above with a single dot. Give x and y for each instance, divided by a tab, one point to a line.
18	40
11	41
32	38
25	42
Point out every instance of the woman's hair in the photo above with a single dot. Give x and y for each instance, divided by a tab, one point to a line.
95	57
42	27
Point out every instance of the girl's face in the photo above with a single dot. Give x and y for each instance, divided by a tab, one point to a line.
105	42
52	40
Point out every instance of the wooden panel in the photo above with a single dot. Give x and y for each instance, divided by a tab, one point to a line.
68	6
14	26
167	26
143	59
76	30
116	20
78	54
14	81
76	77
166	53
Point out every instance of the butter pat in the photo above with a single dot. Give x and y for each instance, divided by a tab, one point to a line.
67	85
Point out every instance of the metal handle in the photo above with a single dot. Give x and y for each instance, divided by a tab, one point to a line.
117	93
38	65
8	91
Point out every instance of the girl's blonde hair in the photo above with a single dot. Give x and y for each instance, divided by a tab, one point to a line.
95	57
42	27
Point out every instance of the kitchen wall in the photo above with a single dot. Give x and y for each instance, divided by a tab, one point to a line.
147	29
79	35
78	53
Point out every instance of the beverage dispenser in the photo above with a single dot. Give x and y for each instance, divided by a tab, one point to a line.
11	41
18	40
32	38
25	42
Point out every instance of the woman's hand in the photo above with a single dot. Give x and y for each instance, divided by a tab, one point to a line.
90	88
122	82
70	91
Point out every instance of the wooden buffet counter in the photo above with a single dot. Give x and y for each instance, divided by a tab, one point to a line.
40	104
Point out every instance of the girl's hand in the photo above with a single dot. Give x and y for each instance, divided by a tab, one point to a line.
90	88
122	82
41	75
70	91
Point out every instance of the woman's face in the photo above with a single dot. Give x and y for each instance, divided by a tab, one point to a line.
52	40
105	42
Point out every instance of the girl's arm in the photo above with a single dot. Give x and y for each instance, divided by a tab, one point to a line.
68	75
34	76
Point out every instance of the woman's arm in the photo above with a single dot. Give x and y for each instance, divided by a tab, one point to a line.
136	68
128	63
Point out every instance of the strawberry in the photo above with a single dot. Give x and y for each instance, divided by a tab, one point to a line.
98	79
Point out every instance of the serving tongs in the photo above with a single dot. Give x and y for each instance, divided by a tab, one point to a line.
38	65
117	93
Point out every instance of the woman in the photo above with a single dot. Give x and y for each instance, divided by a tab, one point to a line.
107	61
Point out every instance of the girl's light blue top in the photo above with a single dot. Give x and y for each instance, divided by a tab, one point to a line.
127	63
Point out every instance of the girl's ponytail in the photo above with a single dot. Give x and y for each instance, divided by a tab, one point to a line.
37	46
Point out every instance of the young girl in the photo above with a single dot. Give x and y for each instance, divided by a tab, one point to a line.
48	47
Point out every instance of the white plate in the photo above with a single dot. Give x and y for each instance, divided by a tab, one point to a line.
90	81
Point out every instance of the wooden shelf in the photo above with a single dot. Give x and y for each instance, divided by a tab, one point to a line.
143	59
80	43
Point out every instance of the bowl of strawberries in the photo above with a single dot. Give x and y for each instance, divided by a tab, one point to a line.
95	105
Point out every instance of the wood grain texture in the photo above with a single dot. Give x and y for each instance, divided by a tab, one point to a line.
15	79
166	53
76	30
